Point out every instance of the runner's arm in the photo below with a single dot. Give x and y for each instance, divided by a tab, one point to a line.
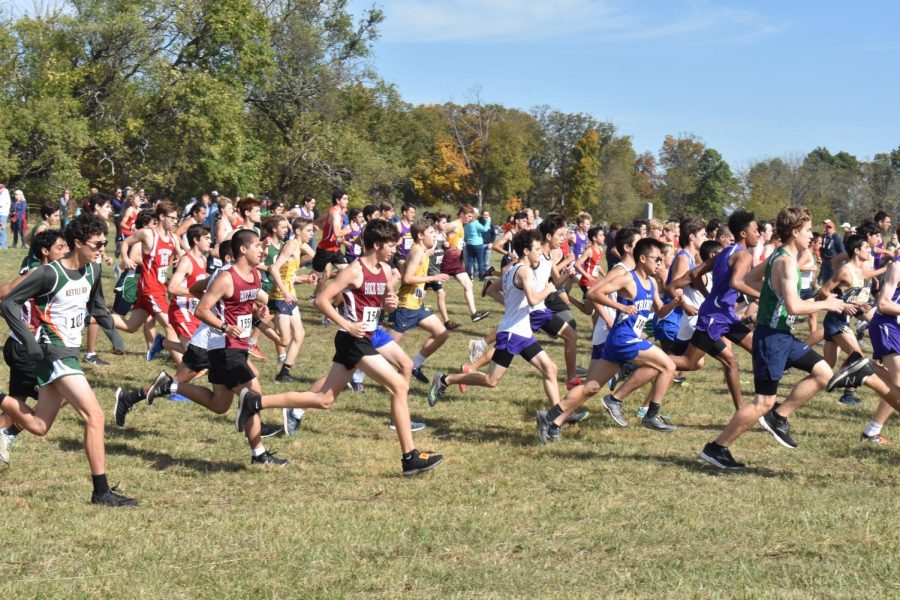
884	303
784	276
525	280
742	275
220	288
178	281
38	282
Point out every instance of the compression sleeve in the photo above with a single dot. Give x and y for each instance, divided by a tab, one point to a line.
38	283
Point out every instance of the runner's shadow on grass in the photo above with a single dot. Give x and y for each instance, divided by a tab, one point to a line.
694	465
451	430
129	434
159	460
879	454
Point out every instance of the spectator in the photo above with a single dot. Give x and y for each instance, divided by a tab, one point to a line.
848	231
5	205
19	219
212	210
474	231
489	235
64	202
831	247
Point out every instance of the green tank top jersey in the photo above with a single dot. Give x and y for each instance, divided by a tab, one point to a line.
61	311
266	281
772	310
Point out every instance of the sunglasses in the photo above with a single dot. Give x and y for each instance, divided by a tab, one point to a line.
658	259
96	245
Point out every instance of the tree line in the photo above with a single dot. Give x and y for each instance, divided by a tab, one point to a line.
280	96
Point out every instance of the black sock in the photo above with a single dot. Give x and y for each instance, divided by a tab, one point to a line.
285	369
409	455
13	430
256	405
717	445
613	397
854	356
777	416
652	411
444	380
101	486
141	394
554	412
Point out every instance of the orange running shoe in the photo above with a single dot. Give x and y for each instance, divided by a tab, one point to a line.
464	369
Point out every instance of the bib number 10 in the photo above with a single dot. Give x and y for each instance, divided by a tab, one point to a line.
76	321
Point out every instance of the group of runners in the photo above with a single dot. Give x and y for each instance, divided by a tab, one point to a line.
696	291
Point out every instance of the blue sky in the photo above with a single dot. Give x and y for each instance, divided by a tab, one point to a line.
753	80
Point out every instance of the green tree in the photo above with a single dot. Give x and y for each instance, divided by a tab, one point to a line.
584	174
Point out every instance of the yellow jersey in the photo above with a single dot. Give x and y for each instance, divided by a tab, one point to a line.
411	295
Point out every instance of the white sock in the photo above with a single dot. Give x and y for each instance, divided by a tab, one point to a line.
481	345
872	429
90	354
282	357
358	376
298	413
173	387
258	451
418	361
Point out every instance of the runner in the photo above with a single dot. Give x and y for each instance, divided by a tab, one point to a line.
452	262
636	297
328	251
410	311
191	268
64	291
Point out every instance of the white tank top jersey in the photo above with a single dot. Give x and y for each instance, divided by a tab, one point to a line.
515	318
542	277
206	337
63	310
601	331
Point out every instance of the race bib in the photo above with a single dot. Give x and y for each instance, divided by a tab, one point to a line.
460	244
407	243
192	304
419	293
161	276
370	317
639	324
595	271
356	250
245	322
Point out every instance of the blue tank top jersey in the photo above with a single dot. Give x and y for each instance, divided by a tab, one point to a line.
633	325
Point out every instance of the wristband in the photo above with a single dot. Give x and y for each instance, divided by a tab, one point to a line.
223	327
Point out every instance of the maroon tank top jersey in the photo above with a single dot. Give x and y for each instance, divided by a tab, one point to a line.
363	304
238	308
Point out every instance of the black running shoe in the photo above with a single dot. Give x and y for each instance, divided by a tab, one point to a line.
420	462
268	458
267	430
720	457
286	378
420	376
125	401
778	427
437	389
159	387
113	498
851	375
245	411
481	314
543	426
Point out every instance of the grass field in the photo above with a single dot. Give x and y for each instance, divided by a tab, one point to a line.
607	512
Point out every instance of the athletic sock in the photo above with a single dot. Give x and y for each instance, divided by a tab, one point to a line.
14	430
854	356
444	380
358	376
90	354
258	451
408	455
141	394
652	410
173	387
614	399
282	357
418	361
298	412
101	485
717	445
555	411
872	429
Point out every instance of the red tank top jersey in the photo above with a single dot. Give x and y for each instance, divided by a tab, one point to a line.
154	265
198	273
238	308
329	241
565	249
127	226
363	304
592	265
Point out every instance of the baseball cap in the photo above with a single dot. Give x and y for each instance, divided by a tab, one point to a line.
214	193
846	225
829	222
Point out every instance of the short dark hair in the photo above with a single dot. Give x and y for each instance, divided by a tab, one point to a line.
369	210
419	226
624	237
246	205
44	241
337	195
47	209
195	232
83	227
645	245
708	247
686	229
406	206
593	231
523	240
867	228
854	243
240	239
271	223
880	216
379	231
551	224
739	221
144	218
97	200
713	225
196	207
353	213
307	199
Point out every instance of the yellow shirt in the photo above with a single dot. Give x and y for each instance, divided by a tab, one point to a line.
287	271
456	238
411	294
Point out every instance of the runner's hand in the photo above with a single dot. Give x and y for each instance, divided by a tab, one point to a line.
391	301
630	310
834	304
357	330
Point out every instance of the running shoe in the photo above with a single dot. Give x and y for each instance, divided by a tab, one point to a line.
657	424
679	379
93	359
357	386
159	387
578	417
284	377
178	398
420	462
861	329
125	401
484	288
874	439
581	371
256	353
245	408
268	458
267	430
849	398
479	315
451	325
290	421
476	350
614	408
437	389
851	375
720	457
156	347
413	426
326	321
614	381
6	444
464	369
420	376
778	427
113	498
543	426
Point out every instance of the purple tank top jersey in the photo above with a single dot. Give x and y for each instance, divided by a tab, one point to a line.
580	245
717	314
884	330
406	240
